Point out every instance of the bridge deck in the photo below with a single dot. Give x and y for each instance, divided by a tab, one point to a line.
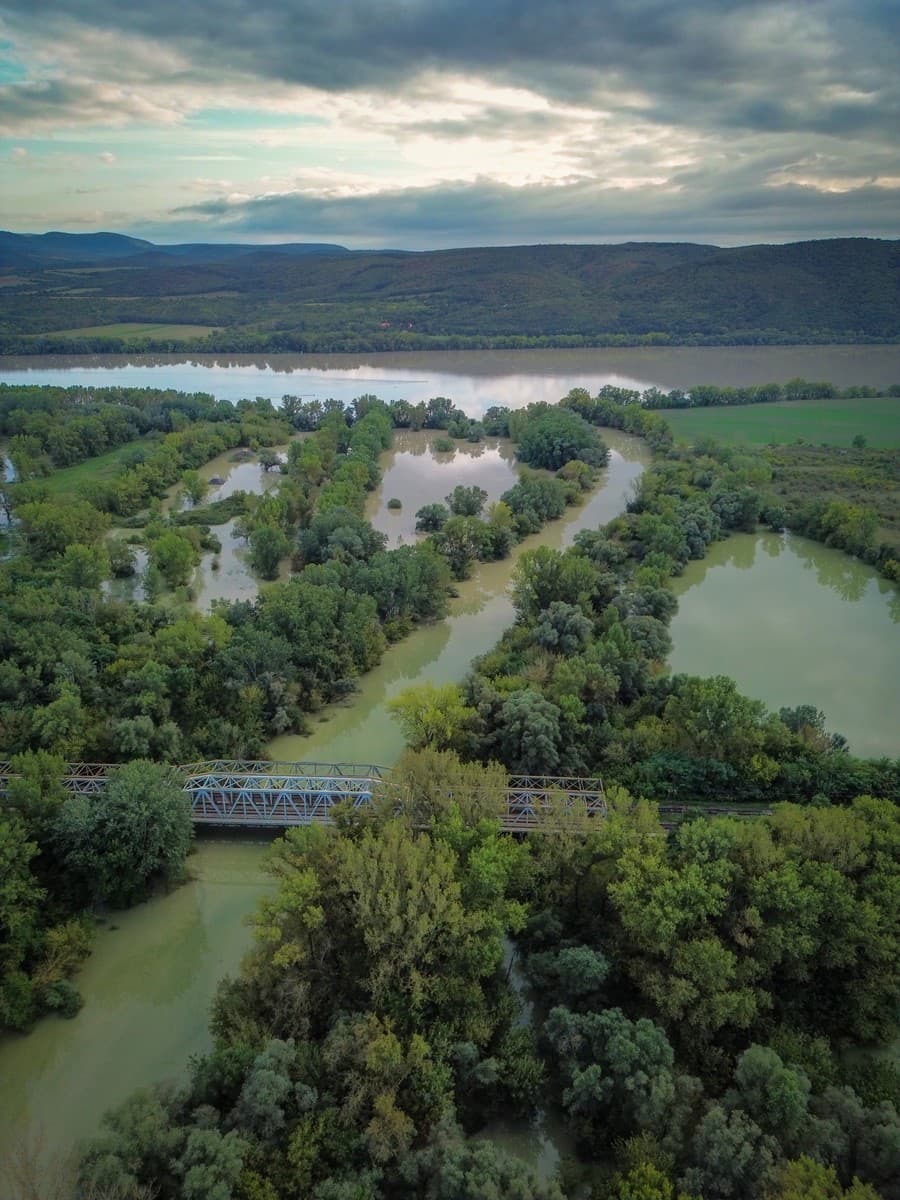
277	794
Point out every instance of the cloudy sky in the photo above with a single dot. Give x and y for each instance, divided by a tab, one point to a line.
418	123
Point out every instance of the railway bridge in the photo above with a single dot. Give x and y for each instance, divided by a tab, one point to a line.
260	794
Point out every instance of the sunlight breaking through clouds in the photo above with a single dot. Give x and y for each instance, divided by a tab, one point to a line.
445	123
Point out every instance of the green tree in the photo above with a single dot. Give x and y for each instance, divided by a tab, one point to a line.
268	545
553	436
466	501
431	517
462	540
432	716
194	486
731	1157
84	566
805	1179
530	734
268	459
544	575
20	903
137	830
174	557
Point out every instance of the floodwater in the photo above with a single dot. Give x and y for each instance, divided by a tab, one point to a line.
414	473
149	982
794	622
361	729
473	379
224	575
147	989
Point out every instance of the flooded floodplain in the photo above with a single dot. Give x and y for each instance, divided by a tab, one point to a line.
794	622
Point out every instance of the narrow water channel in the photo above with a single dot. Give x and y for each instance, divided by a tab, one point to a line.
361	729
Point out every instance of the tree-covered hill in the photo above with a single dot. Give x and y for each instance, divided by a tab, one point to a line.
266	298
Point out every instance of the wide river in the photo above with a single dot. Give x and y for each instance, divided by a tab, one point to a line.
474	379
148	984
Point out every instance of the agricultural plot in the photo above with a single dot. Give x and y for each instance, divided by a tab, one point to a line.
834	422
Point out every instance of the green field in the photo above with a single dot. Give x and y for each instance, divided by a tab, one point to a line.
835	422
129	329
103	467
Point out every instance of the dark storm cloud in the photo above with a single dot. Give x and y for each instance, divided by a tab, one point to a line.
460	214
810	64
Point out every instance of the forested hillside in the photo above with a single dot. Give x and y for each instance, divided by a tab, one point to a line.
267	298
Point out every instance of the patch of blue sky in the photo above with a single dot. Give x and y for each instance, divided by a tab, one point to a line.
12	70
221	119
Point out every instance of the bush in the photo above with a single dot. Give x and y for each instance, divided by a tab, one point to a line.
394	503
63	997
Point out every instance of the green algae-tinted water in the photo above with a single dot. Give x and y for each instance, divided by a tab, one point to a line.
794	622
147	989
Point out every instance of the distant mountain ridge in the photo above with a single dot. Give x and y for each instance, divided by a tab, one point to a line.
315	297
54	248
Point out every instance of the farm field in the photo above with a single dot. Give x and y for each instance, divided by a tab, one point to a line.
835	422
136	329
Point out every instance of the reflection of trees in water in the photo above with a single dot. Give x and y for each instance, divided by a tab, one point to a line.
408	441
894	606
741	552
834	570
772	544
409	658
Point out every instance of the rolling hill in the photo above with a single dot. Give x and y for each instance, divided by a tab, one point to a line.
318	297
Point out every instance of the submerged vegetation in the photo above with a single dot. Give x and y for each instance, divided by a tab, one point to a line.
706	990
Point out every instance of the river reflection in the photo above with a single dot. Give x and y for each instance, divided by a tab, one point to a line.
416	474
473	379
794	622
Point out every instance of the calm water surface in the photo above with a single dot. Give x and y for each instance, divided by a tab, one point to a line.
474	379
147	989
414	472
794	623
362	729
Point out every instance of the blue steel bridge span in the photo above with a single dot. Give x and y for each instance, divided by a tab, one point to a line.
260	793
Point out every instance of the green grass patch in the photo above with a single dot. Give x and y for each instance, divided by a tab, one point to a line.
102	468
835	422
128	329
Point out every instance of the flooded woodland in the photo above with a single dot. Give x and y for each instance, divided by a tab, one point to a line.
148	984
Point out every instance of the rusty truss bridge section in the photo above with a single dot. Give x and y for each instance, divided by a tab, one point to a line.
277	794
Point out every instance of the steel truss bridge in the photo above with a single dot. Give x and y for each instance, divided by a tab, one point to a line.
277	794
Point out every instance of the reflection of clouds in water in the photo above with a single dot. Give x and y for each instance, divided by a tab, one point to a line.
415	475
474	394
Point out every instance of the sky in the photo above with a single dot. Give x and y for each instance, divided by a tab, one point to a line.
440	123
